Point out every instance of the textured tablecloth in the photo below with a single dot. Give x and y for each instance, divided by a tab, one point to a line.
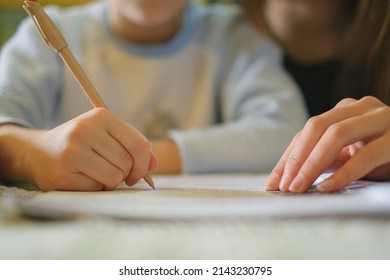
94	238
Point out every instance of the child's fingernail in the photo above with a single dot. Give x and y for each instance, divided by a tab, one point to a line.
152	148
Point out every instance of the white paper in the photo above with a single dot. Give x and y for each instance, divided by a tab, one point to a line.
210	197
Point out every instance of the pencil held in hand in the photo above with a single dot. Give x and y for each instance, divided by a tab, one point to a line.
54	39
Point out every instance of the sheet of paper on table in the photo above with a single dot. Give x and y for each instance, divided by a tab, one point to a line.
192	197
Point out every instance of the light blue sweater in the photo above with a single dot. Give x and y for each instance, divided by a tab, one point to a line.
217	88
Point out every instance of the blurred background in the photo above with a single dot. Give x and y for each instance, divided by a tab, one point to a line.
11	13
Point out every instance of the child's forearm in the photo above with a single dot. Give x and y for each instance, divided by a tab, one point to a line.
168	156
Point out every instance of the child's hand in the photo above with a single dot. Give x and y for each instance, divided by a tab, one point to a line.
95	151
353	139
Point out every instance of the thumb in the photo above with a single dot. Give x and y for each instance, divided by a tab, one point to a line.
153	162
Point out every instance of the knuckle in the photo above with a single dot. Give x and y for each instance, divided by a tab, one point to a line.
96	116
311	164
292	159
345	101
291	162
99	112
315	123
336	131
370	100
78	130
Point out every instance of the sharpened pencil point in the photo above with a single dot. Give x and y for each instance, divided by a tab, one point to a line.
148	179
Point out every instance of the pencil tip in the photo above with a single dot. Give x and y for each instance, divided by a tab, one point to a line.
148	179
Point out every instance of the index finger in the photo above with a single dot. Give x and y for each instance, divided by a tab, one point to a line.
275	177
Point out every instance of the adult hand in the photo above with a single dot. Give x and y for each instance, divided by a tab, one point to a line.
352	139
95	151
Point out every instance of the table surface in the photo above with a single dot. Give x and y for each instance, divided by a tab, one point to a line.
97	238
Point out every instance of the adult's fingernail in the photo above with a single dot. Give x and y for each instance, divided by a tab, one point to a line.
272	183
326	186
285	183
297	184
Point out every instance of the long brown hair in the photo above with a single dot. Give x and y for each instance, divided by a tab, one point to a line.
365	63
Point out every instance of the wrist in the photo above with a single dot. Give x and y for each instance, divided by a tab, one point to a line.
14	150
